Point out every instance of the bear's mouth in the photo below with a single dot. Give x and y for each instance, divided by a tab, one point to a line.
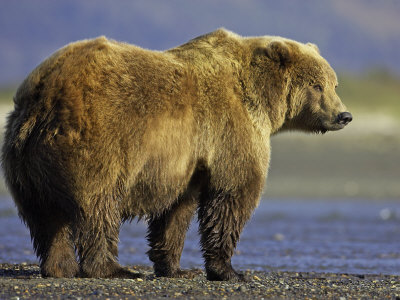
329	125
332	126
320	130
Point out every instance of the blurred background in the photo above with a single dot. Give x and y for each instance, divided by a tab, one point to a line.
360	38
355	172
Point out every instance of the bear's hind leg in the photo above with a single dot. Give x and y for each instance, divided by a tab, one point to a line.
52	241
61	260
166	235
97	240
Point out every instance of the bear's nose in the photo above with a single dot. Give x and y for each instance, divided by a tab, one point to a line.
344	118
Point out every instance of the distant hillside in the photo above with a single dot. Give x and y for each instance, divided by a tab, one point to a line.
353	35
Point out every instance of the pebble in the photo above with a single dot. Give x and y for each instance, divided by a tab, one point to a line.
97	293
242	289
276	285
279	237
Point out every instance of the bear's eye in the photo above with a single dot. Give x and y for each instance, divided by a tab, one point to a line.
318	88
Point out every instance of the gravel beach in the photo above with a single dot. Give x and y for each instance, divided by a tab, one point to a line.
22	281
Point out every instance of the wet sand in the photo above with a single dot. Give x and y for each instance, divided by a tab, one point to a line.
23	281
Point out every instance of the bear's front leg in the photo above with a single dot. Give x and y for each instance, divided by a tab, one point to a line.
221	219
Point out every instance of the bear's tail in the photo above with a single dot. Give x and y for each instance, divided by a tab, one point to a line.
31	169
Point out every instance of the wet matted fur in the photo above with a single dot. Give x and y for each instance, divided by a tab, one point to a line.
103	132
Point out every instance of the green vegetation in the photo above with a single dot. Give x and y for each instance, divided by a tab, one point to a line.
374	91
7	94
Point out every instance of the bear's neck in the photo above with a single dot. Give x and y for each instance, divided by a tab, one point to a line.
267	100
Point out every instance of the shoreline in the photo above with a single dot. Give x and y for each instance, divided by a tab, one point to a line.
23	281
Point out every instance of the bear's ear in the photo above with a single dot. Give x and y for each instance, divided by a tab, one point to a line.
279	52
315	47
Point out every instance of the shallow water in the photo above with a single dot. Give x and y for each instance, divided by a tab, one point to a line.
345	236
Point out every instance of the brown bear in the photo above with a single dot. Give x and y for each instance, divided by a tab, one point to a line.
103	132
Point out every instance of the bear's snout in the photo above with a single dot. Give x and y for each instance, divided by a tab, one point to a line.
344	118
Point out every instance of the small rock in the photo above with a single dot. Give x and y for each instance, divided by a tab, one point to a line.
387	214
279	237
242	289
97	293
255	277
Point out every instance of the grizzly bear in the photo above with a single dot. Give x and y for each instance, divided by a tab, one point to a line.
103	132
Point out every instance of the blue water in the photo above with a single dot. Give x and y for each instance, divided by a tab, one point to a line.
346	236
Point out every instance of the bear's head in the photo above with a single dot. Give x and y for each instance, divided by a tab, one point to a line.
309	84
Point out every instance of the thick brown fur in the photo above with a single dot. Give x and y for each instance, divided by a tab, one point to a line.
103	132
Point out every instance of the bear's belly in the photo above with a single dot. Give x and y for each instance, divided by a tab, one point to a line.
158	185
